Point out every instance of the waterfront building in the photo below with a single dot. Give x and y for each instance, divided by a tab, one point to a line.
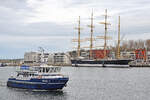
45	57
99	54
59	58
85	54
96	54
55	58
32	57
140	54
11	62
128	54
148	56
73	54
35	57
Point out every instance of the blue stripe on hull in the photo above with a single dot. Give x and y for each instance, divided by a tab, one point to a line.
37	85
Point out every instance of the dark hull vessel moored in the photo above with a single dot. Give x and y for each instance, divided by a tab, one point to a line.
101	63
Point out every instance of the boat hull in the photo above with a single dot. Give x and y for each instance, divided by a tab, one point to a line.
39	84
101	63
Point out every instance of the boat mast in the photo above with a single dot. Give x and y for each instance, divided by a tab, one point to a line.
79	37
118	47
105	36
91	35
105	42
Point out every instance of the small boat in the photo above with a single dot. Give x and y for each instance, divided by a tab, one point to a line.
2	64
139	63
42	77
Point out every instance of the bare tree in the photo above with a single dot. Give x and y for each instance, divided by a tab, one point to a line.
130	44
124	46
148	44
141	44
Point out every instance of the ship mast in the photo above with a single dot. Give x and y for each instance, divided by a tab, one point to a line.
118	47
105	42
105	36
79	37
91	35
78	40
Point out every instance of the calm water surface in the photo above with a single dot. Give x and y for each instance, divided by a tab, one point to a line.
87	84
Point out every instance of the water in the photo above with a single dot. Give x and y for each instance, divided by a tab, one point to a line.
87	84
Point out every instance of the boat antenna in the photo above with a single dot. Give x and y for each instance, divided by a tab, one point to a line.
41	50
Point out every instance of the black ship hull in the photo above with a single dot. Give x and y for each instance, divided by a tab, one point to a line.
101	63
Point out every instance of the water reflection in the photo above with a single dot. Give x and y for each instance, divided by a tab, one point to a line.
26	94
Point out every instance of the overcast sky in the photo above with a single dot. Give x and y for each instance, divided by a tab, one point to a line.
27	24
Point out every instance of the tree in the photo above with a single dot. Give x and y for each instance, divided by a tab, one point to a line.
148	44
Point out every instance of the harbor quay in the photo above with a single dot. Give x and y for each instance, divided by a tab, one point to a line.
34	59
64	59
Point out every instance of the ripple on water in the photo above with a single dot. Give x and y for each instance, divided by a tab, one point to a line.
87	84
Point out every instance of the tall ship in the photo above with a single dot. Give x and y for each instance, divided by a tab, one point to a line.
105	61
41	77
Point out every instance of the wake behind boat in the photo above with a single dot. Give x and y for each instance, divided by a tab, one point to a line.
42	77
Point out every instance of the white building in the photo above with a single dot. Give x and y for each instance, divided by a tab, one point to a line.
130	54
31	57
35	57
44	58
148	55
59	58
51	59
56	58
84	54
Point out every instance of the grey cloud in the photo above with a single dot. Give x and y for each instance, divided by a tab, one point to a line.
51	29
14	13
14	4
45	28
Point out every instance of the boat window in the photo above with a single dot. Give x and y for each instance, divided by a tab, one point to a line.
59	69
47	70
51	70
55	70
43	70
18	74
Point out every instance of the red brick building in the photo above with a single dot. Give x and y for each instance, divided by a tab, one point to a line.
99	54
140	54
